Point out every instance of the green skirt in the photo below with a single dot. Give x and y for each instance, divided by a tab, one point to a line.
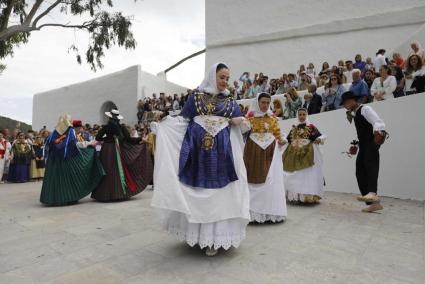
297	159
67	181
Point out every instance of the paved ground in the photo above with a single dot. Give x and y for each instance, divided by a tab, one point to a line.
123	243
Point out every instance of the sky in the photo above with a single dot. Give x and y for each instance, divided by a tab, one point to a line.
166	31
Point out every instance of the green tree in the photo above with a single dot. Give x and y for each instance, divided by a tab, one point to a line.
19	18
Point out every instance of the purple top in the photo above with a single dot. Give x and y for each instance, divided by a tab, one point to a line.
200	166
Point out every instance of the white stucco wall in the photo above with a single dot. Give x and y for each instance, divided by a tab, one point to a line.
277	36
402	171
84	100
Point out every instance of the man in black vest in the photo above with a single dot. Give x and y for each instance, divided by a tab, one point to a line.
367	123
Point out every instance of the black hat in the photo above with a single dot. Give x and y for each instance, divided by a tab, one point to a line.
348	96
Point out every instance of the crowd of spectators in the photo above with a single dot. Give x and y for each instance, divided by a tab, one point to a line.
373	79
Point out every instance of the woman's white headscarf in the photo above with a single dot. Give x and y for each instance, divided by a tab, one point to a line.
209	84
307	122
63	123
256	106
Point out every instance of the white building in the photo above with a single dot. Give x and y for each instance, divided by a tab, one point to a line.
276	36
89	100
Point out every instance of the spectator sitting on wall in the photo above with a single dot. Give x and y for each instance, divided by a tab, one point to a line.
340	72
244	77
383	86
169	103
281	86
273	86
341	67
263	84
246	89
332	96
310	71
379	60
304	81
323	80
369	64
369	76
301	70
176	102
418	50
401	81
415	71
253	89
348	71
237	90
292	104
325	69
398	60
359	63
292	81
359	87
315	104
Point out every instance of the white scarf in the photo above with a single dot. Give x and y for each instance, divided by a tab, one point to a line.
306	122
209	84
256	107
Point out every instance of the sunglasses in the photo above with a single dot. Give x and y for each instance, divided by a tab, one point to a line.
334	79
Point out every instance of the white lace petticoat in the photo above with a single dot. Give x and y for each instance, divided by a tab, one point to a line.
262	218
222	234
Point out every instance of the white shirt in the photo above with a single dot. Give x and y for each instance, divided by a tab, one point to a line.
420	72
176	105
378	62
388	87
349	76
372	117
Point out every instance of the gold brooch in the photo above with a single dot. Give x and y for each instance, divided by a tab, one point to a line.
207	141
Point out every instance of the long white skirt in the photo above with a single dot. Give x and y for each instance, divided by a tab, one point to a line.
207	217
268	201
2	164
308	181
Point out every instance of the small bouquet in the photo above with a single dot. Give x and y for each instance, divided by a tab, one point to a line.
353	148
352	151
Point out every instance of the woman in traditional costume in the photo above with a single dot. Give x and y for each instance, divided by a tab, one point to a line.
126	160
3	155
19	169
302	162
37	163
200	177
151	138
262	157
72	169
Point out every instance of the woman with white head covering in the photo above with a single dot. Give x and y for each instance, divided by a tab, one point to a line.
126	160
417	50
20	160
3	155
302	161
72	170
200	177
262	158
